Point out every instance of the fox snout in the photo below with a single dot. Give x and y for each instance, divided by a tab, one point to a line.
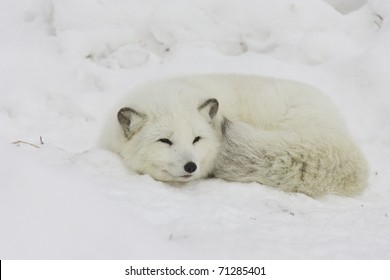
190	167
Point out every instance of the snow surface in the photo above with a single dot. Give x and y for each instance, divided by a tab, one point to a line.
63	63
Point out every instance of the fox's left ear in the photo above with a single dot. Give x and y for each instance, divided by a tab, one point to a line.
210	107
130	121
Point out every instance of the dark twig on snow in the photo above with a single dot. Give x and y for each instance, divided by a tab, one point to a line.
379	20
18	143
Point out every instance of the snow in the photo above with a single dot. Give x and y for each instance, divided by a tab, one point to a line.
65	63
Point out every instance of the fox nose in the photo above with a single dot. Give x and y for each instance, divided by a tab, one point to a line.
190	167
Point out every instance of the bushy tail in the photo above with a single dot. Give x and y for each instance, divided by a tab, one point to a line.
313	164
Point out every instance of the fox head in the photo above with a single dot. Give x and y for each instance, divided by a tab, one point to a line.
173	142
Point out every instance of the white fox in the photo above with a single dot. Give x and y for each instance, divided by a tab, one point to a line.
239	128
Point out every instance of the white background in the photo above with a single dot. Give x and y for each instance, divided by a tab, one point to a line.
278	270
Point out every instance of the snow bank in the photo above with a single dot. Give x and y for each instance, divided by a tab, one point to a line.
65	63
51	212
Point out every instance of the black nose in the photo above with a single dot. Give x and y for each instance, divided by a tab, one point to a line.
190	167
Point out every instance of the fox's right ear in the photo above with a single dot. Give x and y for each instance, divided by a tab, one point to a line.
130	121
210	106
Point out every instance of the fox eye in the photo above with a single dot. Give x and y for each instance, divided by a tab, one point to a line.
166	141
197	138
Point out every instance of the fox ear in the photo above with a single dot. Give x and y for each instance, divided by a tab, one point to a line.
210	106
130	121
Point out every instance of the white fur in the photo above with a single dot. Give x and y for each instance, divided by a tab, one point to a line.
276	132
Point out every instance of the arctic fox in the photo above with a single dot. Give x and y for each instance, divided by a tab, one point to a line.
239	128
